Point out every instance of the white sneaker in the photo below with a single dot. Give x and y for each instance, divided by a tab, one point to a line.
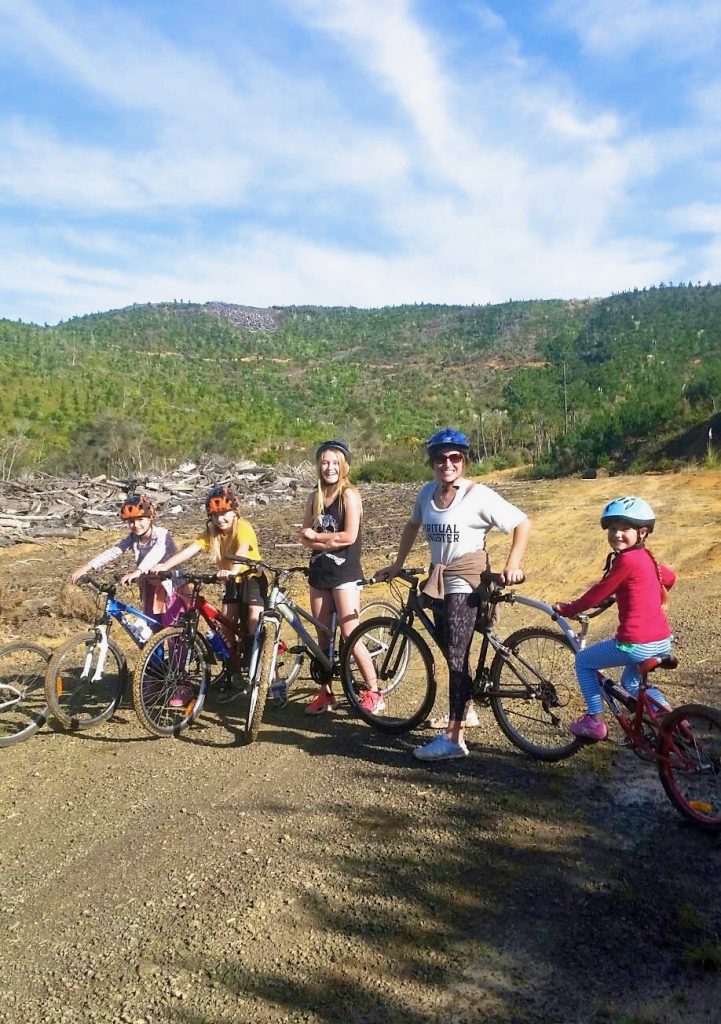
441	749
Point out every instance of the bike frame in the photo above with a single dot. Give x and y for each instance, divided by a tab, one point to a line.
212	618
113	609
285	607
413	608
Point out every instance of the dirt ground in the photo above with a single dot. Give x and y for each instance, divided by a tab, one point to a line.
322	875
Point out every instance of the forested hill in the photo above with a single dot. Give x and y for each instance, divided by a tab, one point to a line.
570	385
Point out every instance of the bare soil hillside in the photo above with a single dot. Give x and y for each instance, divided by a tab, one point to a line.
321	875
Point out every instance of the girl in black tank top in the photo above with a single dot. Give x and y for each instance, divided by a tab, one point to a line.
332	533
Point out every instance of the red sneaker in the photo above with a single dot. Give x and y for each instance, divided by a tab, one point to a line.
321	702
372	701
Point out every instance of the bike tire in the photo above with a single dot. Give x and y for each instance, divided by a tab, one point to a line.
23	707
534	693
405	669
74	697
165	668
263	665
689	767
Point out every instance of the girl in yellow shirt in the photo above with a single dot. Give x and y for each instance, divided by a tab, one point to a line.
228	534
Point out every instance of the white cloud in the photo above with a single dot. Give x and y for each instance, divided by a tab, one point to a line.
269	184
704	218
617	28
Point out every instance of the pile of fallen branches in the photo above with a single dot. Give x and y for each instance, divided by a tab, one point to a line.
37	506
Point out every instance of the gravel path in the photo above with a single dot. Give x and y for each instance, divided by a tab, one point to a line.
321	875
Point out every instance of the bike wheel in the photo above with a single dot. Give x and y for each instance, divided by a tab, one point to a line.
170	682
378	643
263	670
23	708
405	670
534	694
689	747
84	681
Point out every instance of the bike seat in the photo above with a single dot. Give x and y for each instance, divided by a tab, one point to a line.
651	664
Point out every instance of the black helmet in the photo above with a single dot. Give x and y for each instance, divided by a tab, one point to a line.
341	446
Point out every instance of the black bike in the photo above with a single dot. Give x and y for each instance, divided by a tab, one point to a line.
528	679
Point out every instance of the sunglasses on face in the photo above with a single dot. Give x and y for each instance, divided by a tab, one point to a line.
455	457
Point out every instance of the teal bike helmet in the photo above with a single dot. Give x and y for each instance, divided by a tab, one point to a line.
631	510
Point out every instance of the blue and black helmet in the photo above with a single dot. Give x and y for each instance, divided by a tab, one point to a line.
448	438
341	446
631	510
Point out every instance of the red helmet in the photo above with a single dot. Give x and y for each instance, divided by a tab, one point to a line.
137	506
221	499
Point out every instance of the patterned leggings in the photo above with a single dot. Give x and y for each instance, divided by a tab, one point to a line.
459	620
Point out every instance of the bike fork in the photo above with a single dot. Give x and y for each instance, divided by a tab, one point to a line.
102	655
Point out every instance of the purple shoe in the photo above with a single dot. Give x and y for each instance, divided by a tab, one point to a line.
182	695
588	728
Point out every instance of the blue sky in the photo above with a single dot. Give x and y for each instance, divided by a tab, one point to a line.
354	152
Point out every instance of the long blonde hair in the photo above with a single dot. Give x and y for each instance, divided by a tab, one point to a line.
216	539
322	492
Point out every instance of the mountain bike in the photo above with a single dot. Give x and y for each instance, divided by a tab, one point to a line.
171	680
527	679
182	656
282	610
23	708
87	676
684	744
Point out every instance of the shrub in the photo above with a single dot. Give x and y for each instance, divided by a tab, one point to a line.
389	471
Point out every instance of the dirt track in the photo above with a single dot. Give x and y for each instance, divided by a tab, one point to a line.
321	875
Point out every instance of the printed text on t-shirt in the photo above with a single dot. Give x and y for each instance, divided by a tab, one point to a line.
442	533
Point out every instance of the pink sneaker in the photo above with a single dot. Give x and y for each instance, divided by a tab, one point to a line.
320	703
372	701
588	728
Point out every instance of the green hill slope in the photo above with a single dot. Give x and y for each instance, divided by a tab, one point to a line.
568	383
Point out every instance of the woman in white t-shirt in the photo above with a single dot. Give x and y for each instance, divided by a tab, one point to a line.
456	514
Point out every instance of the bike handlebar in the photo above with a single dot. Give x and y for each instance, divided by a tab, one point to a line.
187	577
494	579
99	588
256	563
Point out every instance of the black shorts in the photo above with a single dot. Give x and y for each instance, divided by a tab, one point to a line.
250	590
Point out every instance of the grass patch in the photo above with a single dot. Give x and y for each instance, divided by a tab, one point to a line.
706	955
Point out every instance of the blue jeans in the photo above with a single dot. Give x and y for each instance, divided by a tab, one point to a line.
608	654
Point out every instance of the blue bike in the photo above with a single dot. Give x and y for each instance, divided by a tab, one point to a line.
87	676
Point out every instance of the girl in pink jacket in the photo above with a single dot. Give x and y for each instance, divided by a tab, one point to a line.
639	585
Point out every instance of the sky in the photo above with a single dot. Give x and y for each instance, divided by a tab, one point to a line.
354	152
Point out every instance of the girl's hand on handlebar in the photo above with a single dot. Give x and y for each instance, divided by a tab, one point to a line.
129	578
223	574
512	574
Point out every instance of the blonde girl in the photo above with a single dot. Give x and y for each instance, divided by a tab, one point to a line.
228	534
332	533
